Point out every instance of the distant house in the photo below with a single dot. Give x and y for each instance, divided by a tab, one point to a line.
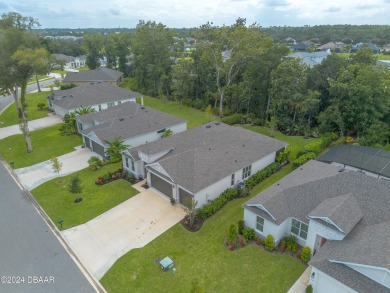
386	48
101	74
311	59
202	162
383	63
332	46
289	41
135	124
301	46
375	49
343	216
70	61
98	95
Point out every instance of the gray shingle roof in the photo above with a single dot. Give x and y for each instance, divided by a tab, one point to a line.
202	156
132	120
338	195
342	210
100	74
90	94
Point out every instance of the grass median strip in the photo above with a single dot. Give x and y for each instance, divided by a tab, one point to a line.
58	202
47	143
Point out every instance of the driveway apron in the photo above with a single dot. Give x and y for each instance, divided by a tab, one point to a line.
132	224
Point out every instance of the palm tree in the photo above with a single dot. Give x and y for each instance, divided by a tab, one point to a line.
166	133
114	151
85	110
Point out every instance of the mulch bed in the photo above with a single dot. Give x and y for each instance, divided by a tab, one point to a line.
198	223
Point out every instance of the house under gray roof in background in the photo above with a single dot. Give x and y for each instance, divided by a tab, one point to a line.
311	59
89	94
101	74
373	160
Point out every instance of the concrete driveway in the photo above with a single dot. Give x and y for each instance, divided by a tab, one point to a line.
50	120
35	175
132	224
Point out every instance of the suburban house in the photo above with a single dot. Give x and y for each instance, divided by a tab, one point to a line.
375	49
70	61
342	215
101	74
332	46
135	124
301	46
311	59
202	162
98	95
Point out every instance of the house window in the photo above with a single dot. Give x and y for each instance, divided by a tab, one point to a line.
259	224
100	107
233	178
111	104
161	131
127	162
132	165
299	229
246	172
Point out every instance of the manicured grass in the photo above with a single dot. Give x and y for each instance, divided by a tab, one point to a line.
58	202
47	143
10	115
40	78
60	71
201	256
296	143
83	68
380	56
193	116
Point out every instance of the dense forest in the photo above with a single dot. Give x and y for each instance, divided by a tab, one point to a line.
242	72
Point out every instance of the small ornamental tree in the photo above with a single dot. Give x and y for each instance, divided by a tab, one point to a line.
241	226
269	242
75	186
305	255
56	165
190	209
232	234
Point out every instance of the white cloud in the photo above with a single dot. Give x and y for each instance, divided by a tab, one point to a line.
190	13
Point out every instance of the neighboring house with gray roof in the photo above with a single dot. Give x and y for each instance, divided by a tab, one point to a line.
342	215
202	162
311	59
135	124
98	95
101	74
70	61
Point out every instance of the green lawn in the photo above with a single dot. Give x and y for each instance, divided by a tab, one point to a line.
201	256
40	78
47	143
10	116
58	203
380	56
193	116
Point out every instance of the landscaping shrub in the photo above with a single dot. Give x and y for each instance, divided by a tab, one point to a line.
67	86
305	255
283	155
269	242
94	163
233	119
261	175
291	242
232	233
249	233
282	246
242	241
215	205
309	289
241	226
41	106
303	159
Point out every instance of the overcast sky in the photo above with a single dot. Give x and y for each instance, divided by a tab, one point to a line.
193	13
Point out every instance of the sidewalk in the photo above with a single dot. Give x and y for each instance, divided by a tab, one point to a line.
50	120
301	284
35	175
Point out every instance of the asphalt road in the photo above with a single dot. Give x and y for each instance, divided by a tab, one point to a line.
32	258
6	100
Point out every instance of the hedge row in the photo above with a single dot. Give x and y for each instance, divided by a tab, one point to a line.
312	149
261	175
215	205
233	119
